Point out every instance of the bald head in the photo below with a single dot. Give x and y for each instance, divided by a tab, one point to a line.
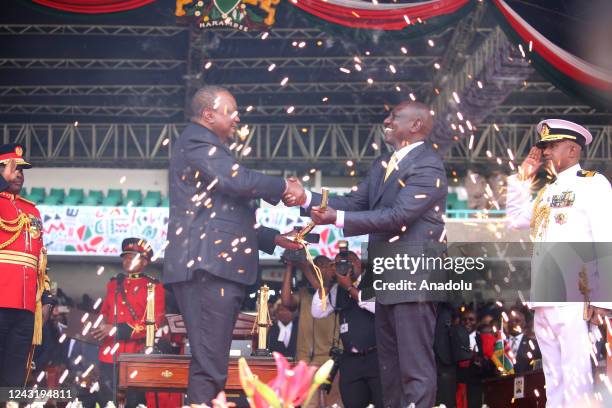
409	122
205	98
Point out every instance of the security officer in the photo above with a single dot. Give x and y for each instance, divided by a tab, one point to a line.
359	374
575	207
24	285
127	295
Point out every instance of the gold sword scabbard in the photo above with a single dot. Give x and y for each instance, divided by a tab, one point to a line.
302	234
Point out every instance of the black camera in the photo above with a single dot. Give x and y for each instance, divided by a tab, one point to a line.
299	256
344	266
291	256
336	354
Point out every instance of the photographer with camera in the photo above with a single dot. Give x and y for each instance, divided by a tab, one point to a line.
358	361
315	336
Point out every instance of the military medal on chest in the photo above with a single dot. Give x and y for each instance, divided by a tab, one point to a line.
35	227
560	218
565	199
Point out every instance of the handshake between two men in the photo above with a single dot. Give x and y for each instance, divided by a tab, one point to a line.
295	195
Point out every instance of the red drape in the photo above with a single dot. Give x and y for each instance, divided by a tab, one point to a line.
93	6
562	60
378	18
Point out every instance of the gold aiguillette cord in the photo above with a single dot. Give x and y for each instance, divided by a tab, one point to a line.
301	238
583	286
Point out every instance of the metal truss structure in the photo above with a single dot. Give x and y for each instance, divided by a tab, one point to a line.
319	62
260	111
463	76
502	110
511	142
195	59
314	110
456	51
94	90
90	110
334	148
292	34
80	30
479	86
84	63
327	87
325	135
547	110
537	86
298	87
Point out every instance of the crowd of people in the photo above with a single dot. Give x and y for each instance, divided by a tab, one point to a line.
298	318
397	351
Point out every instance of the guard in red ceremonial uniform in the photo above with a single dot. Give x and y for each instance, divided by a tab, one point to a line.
24	285
124	331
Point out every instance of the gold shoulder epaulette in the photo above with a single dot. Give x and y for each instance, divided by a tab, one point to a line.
586	173
26	200
150	278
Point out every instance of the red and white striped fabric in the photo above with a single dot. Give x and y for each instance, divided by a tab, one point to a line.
371	15
567	63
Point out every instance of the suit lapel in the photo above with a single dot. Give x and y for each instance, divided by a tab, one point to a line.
522	345
393	177
379	180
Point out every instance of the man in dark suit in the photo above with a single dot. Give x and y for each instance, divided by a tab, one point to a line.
403	196
213	240
523	344
282	336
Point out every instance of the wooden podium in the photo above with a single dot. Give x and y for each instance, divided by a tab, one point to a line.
169	372
500	392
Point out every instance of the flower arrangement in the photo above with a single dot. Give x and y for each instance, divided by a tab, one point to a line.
292	386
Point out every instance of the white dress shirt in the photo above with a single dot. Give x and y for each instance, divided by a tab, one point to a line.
400	154
515	342
284	332
473	344
317	305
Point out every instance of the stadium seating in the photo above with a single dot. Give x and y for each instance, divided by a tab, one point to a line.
94	198
74	197
454	203
152	199
37	194
78	196
134	197
114	197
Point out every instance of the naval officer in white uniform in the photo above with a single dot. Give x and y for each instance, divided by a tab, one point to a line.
575	207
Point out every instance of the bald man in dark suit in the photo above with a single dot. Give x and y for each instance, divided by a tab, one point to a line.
404	195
